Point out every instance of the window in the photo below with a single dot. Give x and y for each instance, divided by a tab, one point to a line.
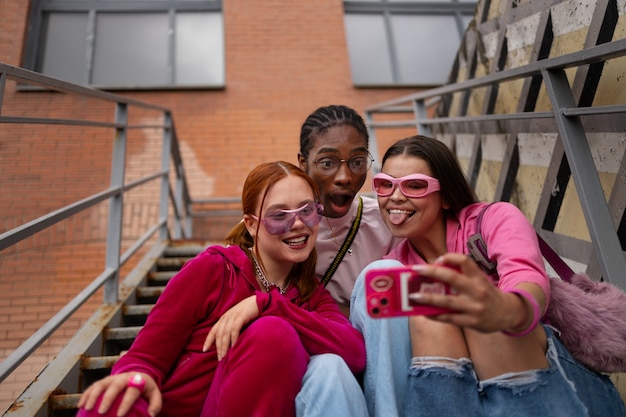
404	42
128	43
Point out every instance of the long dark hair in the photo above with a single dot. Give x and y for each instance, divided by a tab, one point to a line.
443	163
255	189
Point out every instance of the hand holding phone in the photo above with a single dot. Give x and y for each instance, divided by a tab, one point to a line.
387	292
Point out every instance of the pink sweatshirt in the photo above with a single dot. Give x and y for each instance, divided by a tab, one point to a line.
510	238
169	347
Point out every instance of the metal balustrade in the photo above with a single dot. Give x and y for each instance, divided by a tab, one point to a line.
175	213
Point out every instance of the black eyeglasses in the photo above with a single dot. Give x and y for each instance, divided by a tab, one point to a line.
358	165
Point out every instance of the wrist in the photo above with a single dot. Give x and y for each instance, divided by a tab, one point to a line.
527	298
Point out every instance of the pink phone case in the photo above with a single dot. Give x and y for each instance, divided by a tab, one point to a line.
387	292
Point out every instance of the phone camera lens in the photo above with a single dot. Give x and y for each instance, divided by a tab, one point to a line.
384	301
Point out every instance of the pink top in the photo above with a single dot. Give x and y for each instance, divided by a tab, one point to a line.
510	238
371	243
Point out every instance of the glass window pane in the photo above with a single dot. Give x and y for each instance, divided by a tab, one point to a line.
421	60
368	49
199	49
65	45
131	49
467	19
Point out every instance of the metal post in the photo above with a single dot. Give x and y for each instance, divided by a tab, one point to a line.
178	200
373	143
116	204
165	167
419	108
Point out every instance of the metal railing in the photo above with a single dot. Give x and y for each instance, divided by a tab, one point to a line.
432	115
175	213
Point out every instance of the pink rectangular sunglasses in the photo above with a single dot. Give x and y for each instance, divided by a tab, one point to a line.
412	186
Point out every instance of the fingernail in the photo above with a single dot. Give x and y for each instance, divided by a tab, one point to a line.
416	296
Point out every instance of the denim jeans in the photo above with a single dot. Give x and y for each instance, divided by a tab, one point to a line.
393	387
388	352
330	389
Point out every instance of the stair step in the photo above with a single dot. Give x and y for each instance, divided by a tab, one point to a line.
184	251
160	277
64	401
136	315
98	362
121	333
148	292
170	264
119	338
137	310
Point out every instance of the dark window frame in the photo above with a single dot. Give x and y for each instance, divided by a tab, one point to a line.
460	10
34	42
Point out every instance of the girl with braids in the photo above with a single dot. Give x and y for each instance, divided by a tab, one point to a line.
261	305
334	145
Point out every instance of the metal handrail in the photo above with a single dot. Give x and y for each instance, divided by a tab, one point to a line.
177	198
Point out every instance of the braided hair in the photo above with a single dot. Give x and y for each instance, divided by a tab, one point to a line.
326	117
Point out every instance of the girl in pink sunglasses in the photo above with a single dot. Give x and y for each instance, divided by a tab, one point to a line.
489	354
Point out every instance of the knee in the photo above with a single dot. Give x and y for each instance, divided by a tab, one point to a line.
330	367
276	337
327	363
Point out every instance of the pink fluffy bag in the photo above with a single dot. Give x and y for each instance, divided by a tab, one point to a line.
591	319
590	316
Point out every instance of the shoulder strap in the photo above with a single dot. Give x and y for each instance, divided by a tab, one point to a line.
346	244
557	263
478	248
478	252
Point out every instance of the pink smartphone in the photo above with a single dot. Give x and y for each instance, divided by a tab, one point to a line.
387	292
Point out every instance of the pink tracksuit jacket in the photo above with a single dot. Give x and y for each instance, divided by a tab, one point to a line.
262	373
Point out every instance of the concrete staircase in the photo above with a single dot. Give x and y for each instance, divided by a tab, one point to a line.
118	335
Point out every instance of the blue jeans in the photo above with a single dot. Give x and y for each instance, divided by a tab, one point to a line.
393	387
388	353
330	389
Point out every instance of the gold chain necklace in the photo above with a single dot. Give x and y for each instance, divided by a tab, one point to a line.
259	272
